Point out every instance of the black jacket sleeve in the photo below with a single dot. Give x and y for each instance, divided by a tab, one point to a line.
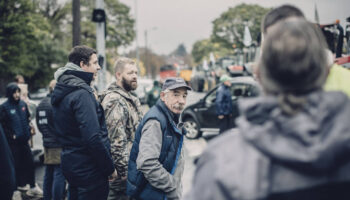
84	109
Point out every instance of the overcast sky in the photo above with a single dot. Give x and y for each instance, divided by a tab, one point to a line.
171	22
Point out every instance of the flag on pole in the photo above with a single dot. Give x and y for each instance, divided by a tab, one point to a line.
247	40
212	58
317	19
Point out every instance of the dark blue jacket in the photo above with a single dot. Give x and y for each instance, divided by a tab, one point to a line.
81	130
44	121
137	185
14	117
223	101
7	168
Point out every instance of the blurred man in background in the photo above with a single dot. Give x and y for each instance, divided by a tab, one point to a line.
54	181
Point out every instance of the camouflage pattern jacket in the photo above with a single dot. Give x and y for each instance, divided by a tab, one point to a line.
123	114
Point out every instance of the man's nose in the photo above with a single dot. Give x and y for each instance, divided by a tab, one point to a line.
182	100
134	75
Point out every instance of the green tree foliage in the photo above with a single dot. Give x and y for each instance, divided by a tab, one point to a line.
26	45
120	26
228	29
202	49
36	35
181	54
180	51
149	58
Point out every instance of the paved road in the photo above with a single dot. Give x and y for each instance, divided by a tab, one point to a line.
193	148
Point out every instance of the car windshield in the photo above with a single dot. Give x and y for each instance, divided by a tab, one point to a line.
237	90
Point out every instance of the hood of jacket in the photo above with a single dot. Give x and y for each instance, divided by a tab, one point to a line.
11	88
69	66
70	81
316	139
114	88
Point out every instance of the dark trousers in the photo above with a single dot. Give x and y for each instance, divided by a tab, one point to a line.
225	123
54	183
95	191
24	164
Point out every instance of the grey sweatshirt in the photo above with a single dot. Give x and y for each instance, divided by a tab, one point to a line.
147	162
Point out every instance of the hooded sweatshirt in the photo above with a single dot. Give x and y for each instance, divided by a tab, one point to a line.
80	127
14	117
275	156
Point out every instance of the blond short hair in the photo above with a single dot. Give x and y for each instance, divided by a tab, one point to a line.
121	63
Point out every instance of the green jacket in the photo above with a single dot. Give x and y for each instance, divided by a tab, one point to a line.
338	80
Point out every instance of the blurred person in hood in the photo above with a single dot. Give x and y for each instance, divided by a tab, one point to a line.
291	143
15	119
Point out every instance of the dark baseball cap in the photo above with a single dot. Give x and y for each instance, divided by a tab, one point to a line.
173	83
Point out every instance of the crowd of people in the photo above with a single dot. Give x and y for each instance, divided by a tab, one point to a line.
291	142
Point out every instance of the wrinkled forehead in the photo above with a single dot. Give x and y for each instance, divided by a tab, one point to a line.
181	90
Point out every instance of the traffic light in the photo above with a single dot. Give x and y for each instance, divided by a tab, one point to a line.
98	15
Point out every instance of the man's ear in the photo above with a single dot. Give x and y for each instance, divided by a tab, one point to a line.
117	75
162	95
81	64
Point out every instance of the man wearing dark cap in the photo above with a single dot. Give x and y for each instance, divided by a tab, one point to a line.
156	160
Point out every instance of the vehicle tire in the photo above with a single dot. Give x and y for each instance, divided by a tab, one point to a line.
192	128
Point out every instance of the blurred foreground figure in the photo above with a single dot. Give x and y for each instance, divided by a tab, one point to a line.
291	143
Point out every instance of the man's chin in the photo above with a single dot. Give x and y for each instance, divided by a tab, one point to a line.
177	111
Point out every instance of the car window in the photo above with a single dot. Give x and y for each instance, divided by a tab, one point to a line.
237	90
243	90
211	97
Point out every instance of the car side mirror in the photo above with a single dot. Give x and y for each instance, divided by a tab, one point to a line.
201	101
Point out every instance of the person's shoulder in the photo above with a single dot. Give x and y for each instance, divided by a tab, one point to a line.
114	97
230	159
224	142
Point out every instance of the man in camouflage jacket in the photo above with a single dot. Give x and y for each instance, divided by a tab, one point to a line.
123	114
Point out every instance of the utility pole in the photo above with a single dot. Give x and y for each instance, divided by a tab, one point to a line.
146	54
101	44
137	40
76	22
148	67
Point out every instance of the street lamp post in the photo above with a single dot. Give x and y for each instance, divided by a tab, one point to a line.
148	68
136	35
100	46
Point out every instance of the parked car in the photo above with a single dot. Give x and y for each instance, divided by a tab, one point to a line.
200	117
39	94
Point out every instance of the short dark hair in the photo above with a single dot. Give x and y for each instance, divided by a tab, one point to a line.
278	14
81	53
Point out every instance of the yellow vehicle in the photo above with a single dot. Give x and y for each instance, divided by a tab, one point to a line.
186	74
